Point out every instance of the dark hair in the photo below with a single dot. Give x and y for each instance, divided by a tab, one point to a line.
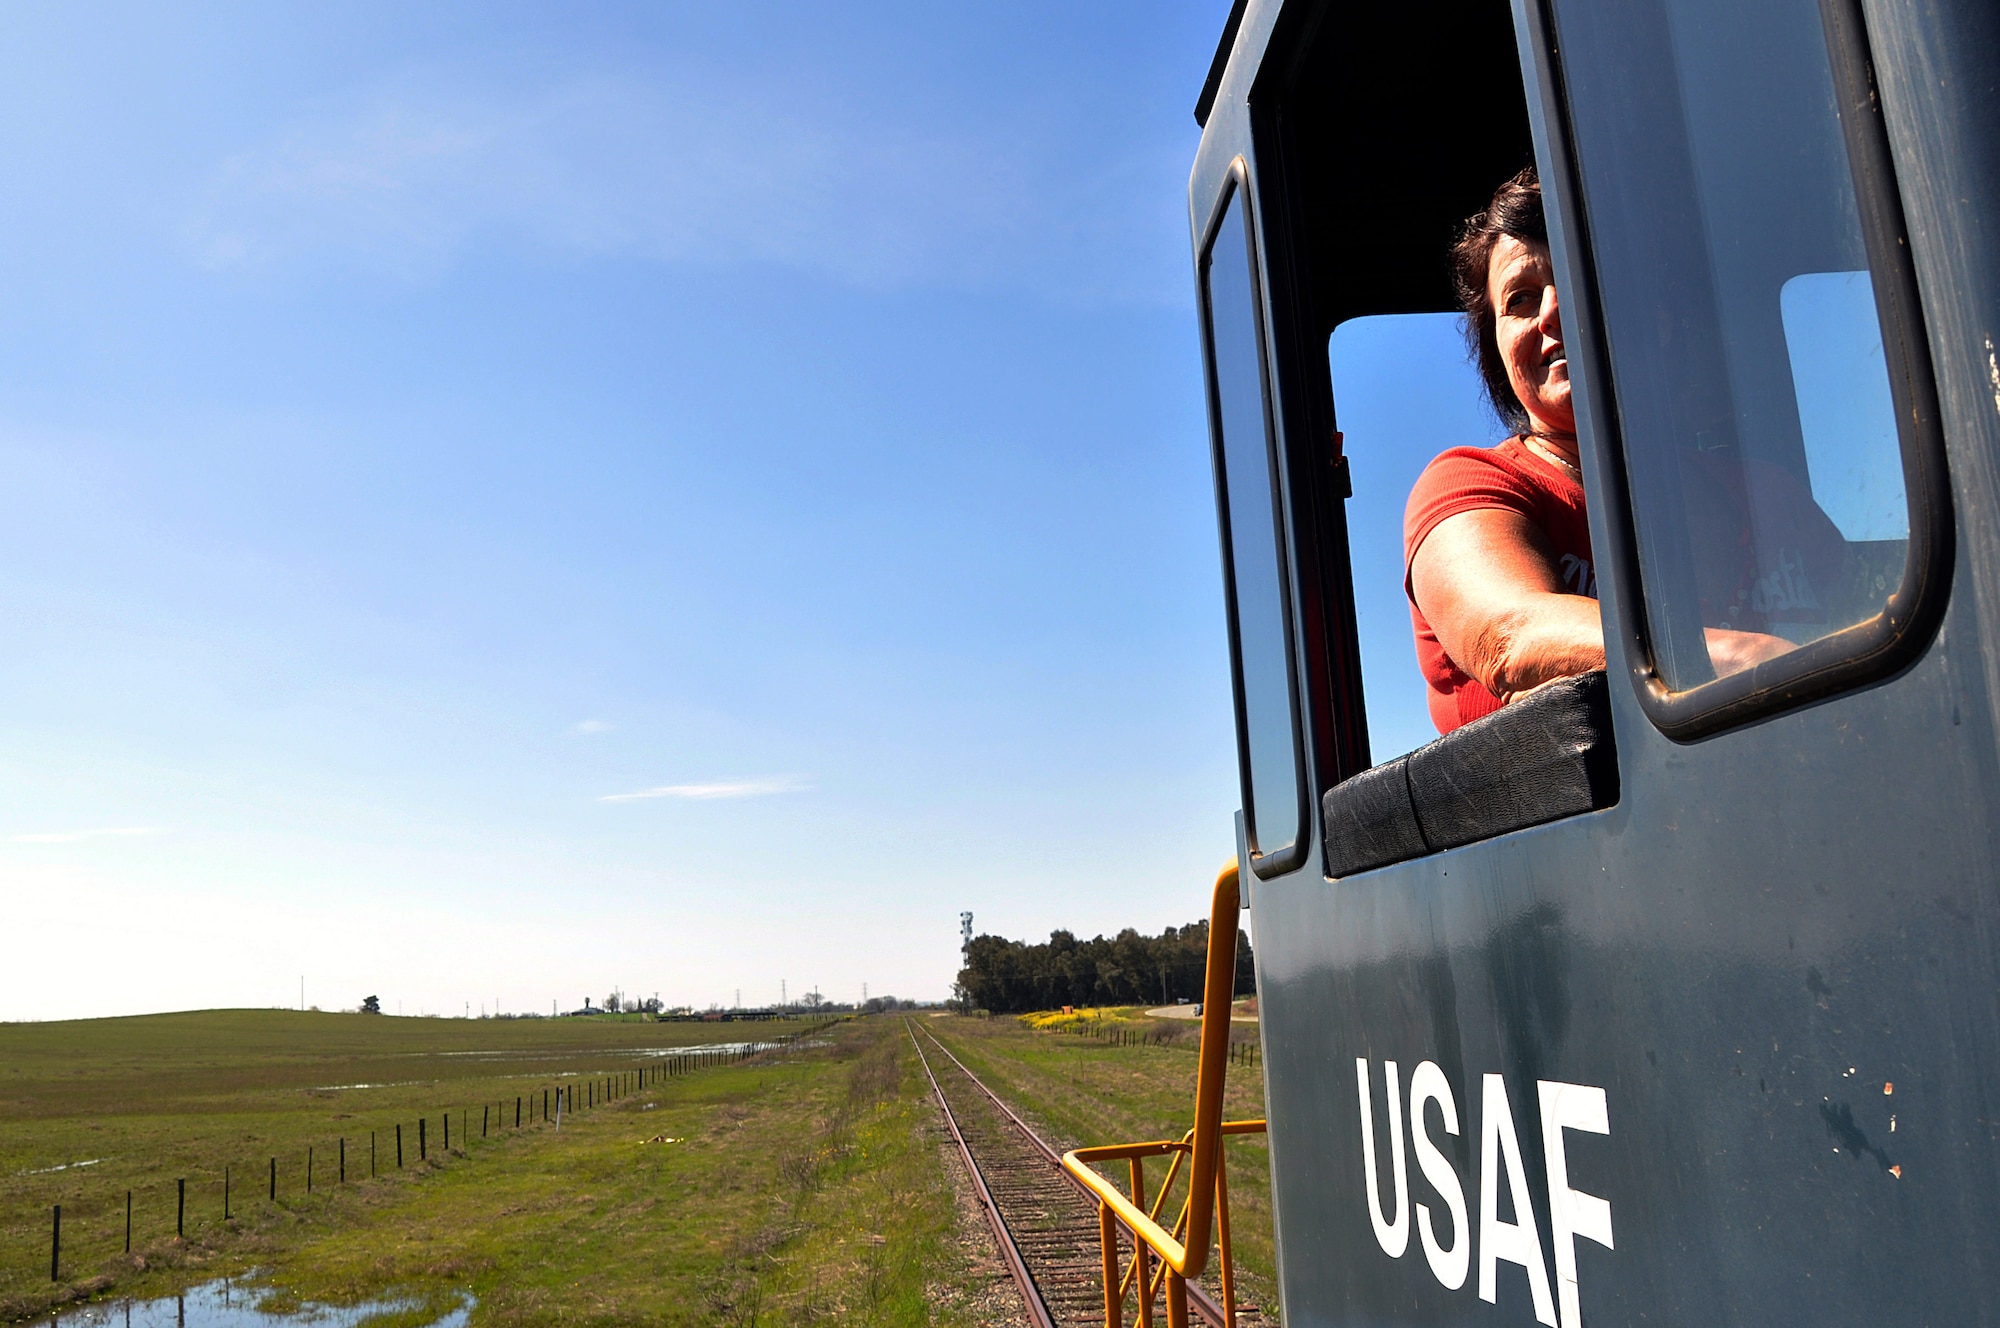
1516	210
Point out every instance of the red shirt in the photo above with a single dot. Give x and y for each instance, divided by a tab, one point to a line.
1467	479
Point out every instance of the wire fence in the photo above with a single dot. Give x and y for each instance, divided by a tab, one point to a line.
1247	1053
542	1108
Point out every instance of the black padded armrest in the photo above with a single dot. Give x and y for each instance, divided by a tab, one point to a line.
1547	756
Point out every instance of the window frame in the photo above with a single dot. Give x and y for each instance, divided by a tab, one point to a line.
1236	188
1877	647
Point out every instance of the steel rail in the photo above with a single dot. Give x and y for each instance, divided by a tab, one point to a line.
1038	1310
1199	1300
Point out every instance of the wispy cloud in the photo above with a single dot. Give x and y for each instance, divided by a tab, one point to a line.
72	836
723	788
605	164
586	727
686	167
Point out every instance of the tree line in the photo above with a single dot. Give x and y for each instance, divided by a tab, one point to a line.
1014	977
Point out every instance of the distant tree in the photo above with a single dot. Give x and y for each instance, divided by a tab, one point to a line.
611	1003
1009	977
371	1005
812	1000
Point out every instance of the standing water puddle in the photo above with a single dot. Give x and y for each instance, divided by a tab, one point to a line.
712	1048
229	1305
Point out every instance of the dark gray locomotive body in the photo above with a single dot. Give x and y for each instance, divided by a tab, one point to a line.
1674	999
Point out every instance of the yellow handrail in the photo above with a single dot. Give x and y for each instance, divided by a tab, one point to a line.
1207	1200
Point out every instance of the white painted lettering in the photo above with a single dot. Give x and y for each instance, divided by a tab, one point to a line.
1394	1237
1428	1084
1571	1212
1518	1241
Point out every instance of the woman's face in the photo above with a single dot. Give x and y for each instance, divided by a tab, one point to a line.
1527	323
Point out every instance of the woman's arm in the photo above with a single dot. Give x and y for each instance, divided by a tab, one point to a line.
1487	584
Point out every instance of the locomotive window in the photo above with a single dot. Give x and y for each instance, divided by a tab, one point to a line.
1253	561
1406	390
1385	127
1747	291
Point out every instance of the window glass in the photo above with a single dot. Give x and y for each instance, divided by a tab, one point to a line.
1753	399
1253	557
1845	412
1404	390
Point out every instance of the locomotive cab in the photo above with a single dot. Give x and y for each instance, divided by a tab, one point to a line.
1667	992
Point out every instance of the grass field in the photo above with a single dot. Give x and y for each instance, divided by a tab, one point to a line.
148	1101
805	1185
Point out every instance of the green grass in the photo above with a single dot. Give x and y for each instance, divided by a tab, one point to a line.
808	1178
1084	1091
805	1185
807	1190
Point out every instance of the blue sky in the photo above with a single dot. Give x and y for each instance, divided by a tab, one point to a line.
1407	390
503	501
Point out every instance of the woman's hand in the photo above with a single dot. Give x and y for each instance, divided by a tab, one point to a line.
1732	652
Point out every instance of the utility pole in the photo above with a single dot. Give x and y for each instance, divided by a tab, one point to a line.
964	948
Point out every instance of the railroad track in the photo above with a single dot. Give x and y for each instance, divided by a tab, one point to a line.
1044	1222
